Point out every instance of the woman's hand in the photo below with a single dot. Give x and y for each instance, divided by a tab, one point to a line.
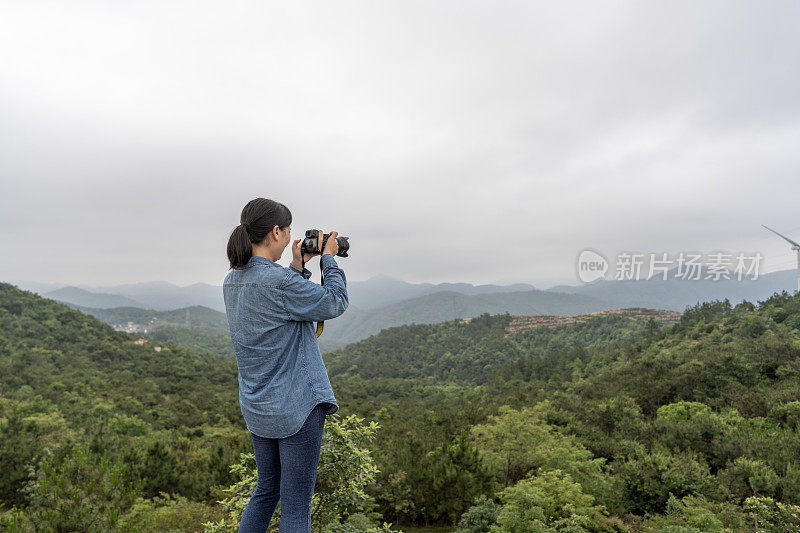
331	245
296	253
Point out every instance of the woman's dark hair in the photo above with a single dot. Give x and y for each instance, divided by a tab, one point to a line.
259	217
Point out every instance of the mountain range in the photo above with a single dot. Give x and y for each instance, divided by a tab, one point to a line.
383	302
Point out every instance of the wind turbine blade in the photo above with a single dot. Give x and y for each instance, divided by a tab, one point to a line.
782	236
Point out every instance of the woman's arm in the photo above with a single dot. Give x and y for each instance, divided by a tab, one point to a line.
305	272
303	300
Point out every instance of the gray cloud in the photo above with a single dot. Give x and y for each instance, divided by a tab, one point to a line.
452	141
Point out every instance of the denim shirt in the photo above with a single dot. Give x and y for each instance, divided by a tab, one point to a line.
270	311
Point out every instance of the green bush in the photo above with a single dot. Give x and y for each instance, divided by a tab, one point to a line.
548	501
77	491
772	516
166	513
480	517
650	477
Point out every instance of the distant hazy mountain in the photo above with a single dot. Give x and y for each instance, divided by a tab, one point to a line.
383	302
356	324
676	294
162	295
371	294
379	291
78	296
159	295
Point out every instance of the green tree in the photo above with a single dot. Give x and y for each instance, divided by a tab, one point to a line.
516	442
693	425
650	477
78	491
548	501
746	477
457	474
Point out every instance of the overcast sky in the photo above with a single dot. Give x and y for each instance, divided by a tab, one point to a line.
482	142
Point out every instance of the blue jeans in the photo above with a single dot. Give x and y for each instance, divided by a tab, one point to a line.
287	470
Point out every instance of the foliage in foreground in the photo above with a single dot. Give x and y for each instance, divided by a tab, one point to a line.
339	503
772	516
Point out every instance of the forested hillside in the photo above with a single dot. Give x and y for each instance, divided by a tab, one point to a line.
474	351
71	384
663	427
99	432
605	425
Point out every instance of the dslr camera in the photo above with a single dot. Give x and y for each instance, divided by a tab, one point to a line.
311	246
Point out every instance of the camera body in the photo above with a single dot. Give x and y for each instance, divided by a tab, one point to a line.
310	244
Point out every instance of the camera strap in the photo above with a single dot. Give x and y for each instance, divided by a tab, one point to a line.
321	323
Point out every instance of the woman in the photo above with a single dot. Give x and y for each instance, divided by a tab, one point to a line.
284	391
